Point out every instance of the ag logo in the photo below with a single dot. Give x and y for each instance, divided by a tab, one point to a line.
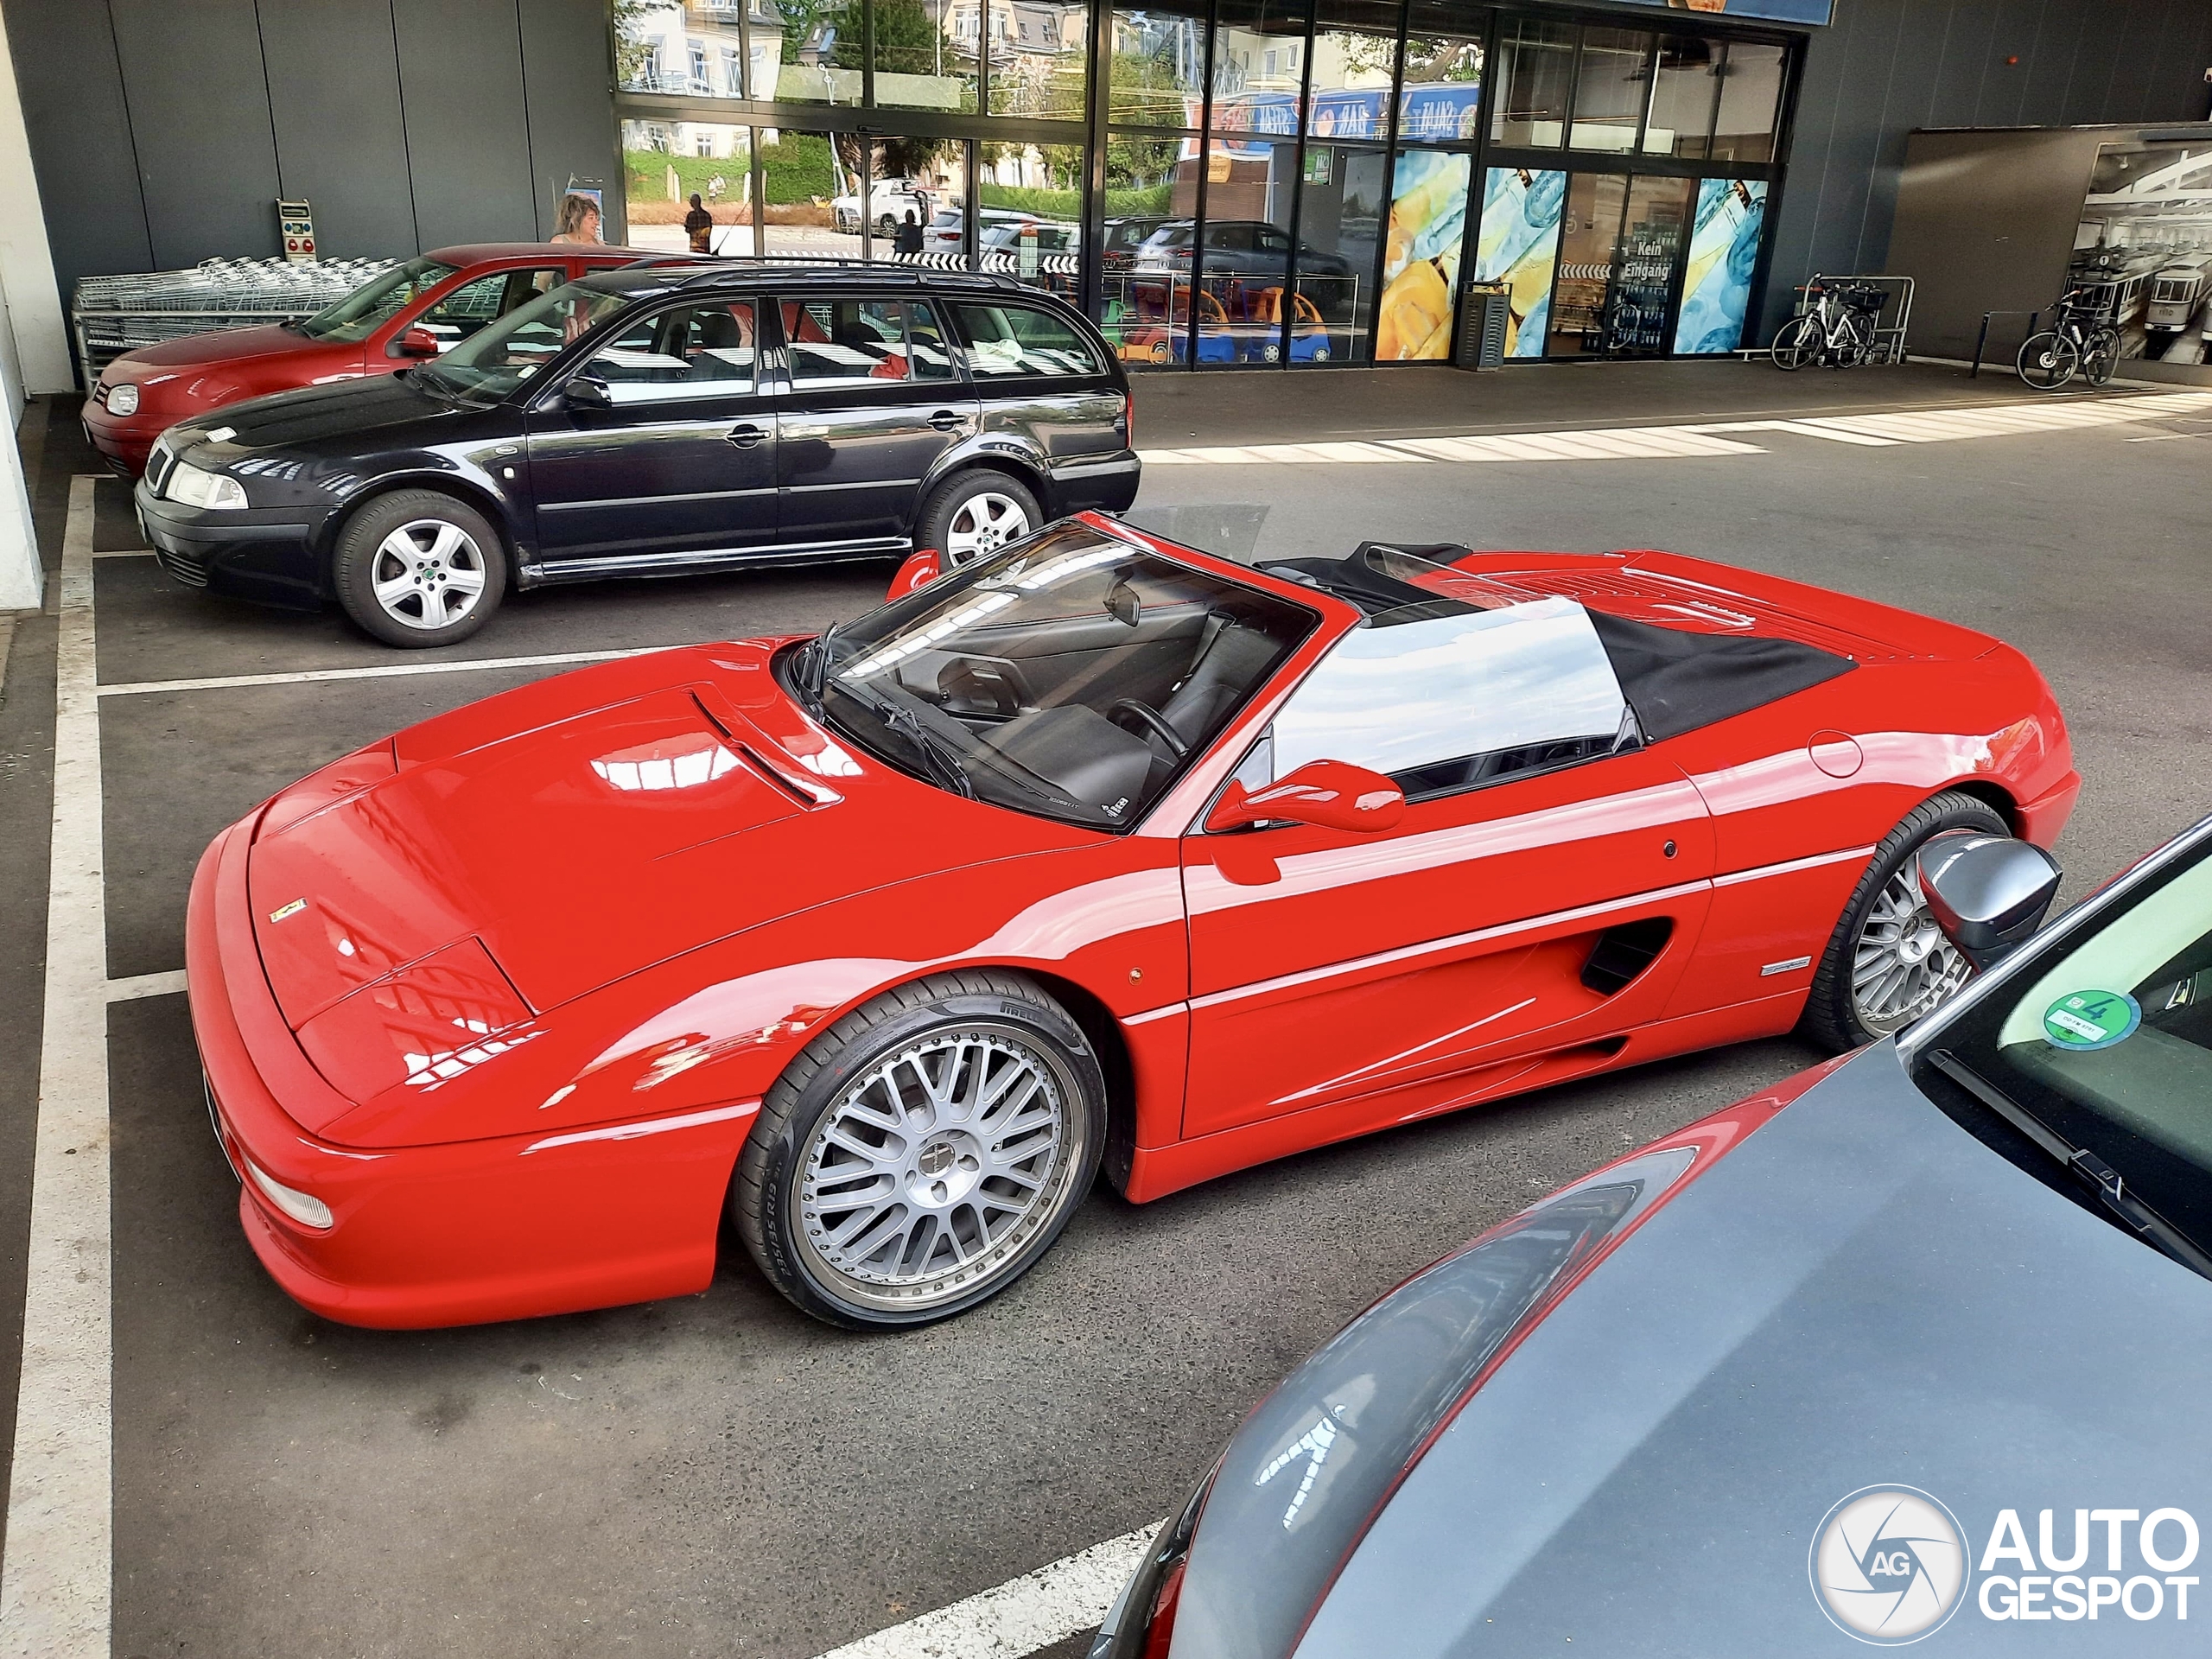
1889	1565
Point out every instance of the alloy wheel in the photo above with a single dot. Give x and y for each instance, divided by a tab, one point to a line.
1902	966
935	1170
427	574
985	523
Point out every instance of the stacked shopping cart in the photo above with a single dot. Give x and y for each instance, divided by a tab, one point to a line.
114	314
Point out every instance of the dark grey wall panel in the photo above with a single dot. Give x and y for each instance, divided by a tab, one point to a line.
199	103
80	137
566	73
467	133
334	99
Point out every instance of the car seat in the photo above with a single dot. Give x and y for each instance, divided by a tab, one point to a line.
1228	663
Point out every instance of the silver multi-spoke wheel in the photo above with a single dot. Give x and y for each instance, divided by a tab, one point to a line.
427	574
936	1168
1902	965
984	522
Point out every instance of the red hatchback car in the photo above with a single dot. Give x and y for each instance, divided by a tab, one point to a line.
411	312
1092	853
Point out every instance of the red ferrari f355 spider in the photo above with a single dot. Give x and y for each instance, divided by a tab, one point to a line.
1096	852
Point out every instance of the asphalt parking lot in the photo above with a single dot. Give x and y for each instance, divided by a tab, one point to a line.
719	1475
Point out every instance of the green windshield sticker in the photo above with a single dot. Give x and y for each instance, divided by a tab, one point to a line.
2089	1020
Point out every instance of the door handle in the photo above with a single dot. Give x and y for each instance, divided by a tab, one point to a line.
946	420
745	436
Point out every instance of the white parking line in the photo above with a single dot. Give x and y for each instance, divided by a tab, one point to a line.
394	671
1020	1616
56	1581
145	985
123	553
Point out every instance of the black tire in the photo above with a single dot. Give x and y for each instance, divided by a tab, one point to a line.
997	1014
2047	361
2101	356
1796	343
451	540
957	521
1834	1016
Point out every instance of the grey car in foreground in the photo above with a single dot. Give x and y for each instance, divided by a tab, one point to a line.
1912	1347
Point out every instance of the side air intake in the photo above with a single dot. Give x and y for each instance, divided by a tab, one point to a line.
1621	953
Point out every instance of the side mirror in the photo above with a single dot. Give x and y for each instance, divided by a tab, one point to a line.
920	569
583	392
416	342
1330	794
1988	893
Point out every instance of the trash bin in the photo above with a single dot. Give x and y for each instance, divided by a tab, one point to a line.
1481	344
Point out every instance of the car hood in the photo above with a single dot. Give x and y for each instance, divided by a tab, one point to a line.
527	850
225	346
1860	1294
358	415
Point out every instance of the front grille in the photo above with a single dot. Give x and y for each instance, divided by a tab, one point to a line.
186	568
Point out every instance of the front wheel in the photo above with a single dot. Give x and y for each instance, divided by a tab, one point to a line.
923	1153
2047	361
1796	343
1887	963
971	515
2101	356
418	568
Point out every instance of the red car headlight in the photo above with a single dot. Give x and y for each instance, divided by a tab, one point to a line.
123	399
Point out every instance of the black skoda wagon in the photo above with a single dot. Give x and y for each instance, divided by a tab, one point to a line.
650	420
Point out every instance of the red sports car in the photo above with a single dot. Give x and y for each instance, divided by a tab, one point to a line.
1094	852
411	312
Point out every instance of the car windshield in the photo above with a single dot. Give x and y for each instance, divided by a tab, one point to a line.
362	312
1072	675
2108	1040
491	363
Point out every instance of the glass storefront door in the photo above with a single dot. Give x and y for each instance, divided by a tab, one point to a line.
1620	253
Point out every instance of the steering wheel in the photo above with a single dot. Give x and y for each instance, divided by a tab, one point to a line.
1152	720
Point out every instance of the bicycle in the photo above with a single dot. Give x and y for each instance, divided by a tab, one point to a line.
1837	328
2081	342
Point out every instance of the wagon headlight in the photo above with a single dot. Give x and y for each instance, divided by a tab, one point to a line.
123	399
197	487
303	1207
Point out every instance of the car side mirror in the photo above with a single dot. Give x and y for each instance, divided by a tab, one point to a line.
416	342
584	391
921	568
1329	794
1987	893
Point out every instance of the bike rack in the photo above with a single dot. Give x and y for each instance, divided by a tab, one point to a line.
1982	340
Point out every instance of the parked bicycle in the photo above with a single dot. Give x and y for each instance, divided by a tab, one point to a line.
1836	328
2082	341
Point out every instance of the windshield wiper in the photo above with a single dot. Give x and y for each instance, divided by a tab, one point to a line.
2100	1177
810	674
937	754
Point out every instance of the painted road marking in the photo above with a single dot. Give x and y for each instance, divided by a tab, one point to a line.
145	985
229	682
123	553
56	1579
1705	438
1019	1617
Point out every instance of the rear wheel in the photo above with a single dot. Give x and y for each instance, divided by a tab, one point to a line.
2047	361
923	1153
973	514
2101	356
417	568
1887	963
1796	343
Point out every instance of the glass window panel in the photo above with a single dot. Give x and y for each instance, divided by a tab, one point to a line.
1348	87
1032	224
819	59
692	48
691	352
1040	58
1751	90
1243	262
666	163
1683	88
1420	269
1589	239
1519	249
1009	340
1442	82
1535	67
1158	65
912	179
1642	292
1724	252
472	305
1611	88
1258	67
1339	229
1152	193
926	55
834	341
803	175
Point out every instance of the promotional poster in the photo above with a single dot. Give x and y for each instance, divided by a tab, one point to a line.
1724	252
1520	248
1420	265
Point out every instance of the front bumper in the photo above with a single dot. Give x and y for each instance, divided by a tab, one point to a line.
124	440
459	1233
263	553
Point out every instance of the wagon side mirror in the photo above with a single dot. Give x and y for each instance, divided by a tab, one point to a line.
1330	794
921	568
1987	893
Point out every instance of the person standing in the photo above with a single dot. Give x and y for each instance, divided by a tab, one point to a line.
699	225
910	236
